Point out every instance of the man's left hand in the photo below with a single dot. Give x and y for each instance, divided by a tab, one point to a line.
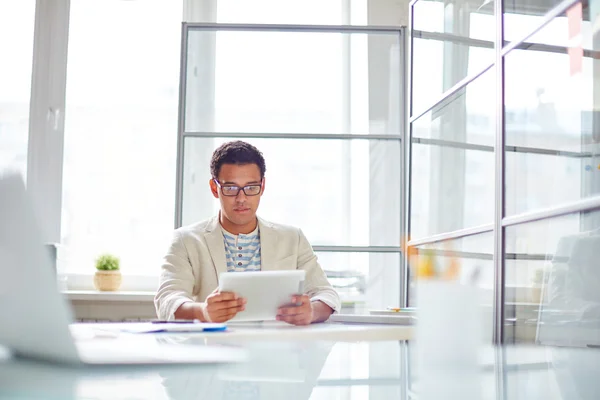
299	313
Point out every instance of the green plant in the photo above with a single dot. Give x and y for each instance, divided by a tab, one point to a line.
107	262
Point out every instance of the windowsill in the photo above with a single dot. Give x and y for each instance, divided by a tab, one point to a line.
94	295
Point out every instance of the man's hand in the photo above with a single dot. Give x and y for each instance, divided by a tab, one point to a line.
300	312
222	306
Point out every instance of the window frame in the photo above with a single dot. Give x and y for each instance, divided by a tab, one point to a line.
183	134
47	123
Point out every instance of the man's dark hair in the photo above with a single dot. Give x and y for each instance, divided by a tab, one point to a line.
239	153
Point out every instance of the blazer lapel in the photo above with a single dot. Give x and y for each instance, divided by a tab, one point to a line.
216	247
268	245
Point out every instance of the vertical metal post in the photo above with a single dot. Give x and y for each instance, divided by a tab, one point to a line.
404	148
407	140
181	127
498	337
45	146
500	372
346	145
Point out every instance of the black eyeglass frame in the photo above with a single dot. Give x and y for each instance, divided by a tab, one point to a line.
220	185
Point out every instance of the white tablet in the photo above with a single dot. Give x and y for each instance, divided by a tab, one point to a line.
264	291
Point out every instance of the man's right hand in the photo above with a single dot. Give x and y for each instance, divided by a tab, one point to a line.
222	306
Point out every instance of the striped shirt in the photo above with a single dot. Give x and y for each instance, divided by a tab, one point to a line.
243	251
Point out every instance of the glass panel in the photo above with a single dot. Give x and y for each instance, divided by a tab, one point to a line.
312	12
524	16
16	46
278	12
551	125
450	42
465	261
553	281
120	133
352	185
440	17
293	82
365	281
453	162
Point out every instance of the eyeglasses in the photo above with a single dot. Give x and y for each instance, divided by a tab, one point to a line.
232	190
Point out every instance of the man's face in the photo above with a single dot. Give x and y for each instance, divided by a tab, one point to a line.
240	209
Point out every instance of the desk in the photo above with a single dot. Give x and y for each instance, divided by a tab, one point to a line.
282	331
307	369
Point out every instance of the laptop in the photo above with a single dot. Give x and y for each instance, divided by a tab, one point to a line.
35	318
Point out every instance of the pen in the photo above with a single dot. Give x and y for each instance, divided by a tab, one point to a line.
177	321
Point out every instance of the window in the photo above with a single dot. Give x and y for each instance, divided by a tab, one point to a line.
16	44
325	108
120	133
551	157
552	281
547	202
453	162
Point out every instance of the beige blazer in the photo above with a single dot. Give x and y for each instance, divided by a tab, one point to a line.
196	257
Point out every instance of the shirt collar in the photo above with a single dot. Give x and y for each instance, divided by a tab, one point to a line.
227	233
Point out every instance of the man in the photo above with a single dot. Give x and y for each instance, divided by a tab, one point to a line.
237	240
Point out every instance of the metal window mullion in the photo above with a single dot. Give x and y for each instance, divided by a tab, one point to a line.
346	120
499	275
589	204
357	249
347	29
452	144
403	275
548	17
547	152
533	46
181	127
453	90
408	154
45	147
280	135
453	38
507	148
489	256
458	234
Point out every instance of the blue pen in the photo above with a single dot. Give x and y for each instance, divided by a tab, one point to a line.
216	329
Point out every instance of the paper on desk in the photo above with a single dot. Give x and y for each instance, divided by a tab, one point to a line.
147	327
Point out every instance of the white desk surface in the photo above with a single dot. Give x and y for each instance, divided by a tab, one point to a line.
281	331
300	369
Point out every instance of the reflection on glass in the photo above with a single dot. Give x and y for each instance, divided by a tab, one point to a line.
553	281
456	18
346	193
359	370
292	373
450	42
453	162
16	49
465	261
293	82
524	16
364	281
293	370
551	124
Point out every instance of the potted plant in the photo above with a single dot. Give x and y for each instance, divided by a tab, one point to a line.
108	276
